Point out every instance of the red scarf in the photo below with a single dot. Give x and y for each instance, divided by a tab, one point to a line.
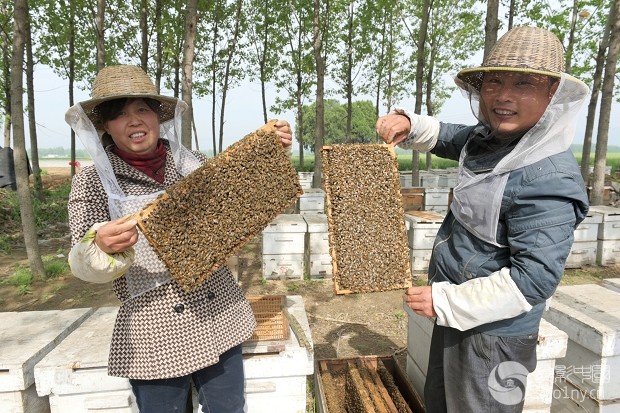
153	164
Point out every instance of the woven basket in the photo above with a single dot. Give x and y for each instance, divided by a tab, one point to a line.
271	322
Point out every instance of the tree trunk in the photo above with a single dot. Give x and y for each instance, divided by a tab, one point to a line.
349	70
596	87
72	78
21	162
100	34
602	138
511	14
144	53
6	75
32	124
491	27
188	62
320	92
419	85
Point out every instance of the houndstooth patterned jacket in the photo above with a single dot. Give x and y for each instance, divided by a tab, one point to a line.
164	332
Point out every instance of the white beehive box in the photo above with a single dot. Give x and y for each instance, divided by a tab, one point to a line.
283	266
317	235
582	253
25	338
419	260
436	199
552	344
568	398
588	228
422	228
320	266
305	179
610	225
285	235
608	252
447	180
75	374
311	201
277	381
590	315
429	179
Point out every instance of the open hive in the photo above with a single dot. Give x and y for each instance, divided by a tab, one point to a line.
368	384
367	235
207	216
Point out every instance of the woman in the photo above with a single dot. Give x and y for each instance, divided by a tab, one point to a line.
164	338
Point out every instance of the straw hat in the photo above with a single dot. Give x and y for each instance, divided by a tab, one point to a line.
521	49
125	81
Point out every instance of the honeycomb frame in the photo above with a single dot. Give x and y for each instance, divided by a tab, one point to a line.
206	217
365	216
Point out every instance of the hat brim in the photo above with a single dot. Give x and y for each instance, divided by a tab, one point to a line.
166	112
473	76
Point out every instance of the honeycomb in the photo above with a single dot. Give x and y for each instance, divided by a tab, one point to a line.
367	235
202	220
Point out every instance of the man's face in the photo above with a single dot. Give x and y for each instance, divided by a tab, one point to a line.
513	102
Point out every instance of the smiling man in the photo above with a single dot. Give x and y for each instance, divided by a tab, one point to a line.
501	250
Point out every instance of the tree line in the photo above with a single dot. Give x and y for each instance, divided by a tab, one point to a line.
304	54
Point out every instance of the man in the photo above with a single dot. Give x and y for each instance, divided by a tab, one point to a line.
500	252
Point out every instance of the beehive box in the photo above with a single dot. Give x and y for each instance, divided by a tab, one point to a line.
588	228
590	315
552	344
612	284
413	198
610	221
283	266
436	200
582	253
305	179
368	384
25	338
367	236
207	216
75	374
312	201
570	398
285	234
422	228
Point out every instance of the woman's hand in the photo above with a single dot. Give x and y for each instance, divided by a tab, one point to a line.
283	130
117	236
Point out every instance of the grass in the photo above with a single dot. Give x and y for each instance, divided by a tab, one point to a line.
21	278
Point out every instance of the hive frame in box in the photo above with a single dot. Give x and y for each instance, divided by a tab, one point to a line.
218	218
362	182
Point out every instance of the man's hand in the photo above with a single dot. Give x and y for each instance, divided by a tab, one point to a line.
393	128
420	300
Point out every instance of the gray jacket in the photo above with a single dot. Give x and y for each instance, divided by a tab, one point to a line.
541	206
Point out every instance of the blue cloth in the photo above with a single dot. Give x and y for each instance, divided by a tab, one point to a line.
220	388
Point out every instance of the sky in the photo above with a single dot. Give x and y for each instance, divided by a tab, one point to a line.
243	113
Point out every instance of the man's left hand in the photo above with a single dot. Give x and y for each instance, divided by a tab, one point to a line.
420	300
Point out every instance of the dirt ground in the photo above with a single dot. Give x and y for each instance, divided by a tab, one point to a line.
342	325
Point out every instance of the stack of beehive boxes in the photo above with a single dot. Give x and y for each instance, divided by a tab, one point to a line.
583	251
284	247
318	258
608	240
74	376
422	227
312	201
552	344
25	339
588	377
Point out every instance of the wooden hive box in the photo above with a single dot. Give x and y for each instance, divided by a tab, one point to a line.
367	235
207	216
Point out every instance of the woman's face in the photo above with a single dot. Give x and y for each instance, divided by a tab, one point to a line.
513	102
136	128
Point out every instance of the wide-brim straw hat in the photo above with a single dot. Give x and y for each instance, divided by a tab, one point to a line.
521	49
125	81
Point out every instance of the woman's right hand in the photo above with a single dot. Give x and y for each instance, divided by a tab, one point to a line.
117	236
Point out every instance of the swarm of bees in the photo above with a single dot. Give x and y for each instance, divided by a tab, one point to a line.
367	234
207	216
